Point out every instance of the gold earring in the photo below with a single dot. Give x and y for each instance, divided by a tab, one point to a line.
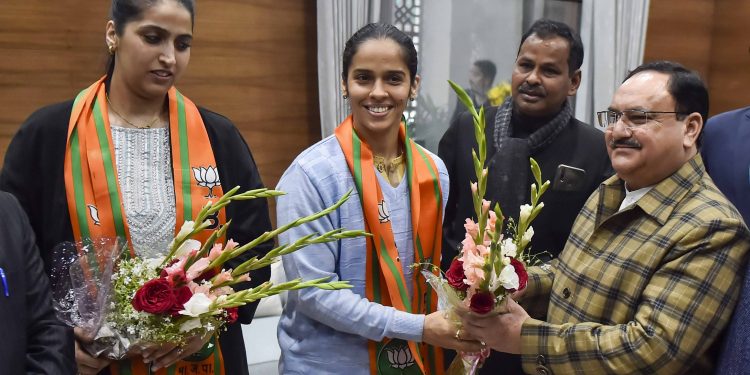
111	48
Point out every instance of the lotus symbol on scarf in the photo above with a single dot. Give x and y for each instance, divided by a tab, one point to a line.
94	213
207	177
400	357
383	215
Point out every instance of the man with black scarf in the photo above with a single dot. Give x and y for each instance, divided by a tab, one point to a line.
536	121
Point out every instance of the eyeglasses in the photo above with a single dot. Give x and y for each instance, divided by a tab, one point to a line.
631	118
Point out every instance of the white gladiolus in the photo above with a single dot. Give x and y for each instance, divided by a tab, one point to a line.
525	213
186	229
509	248
527	236
190	325
509	278
187	247
198	304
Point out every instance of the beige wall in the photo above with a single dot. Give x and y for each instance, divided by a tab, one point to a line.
253	61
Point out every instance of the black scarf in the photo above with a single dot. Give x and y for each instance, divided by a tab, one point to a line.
509	168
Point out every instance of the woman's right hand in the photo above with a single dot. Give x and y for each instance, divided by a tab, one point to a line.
439	331
87	365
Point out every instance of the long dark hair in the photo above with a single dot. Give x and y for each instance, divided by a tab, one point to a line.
123	11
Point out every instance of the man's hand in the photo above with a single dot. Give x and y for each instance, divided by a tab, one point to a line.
87	365
501	332
439	331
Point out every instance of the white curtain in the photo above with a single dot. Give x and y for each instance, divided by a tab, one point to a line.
337	21
614	37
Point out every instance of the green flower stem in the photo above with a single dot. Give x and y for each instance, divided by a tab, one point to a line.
268	289
272	234
270	257
212	208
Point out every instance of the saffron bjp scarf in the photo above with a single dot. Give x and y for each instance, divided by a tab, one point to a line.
94	197
385	281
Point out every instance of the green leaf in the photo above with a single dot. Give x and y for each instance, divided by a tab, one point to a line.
463	97
536	171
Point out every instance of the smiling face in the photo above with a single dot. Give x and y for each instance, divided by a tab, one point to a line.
379	86
645	155
154	50
541	81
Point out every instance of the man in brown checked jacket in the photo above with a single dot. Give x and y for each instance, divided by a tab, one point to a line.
652	270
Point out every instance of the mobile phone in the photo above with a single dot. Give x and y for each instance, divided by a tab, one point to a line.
568	178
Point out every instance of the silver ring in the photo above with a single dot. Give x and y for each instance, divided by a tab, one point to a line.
458	335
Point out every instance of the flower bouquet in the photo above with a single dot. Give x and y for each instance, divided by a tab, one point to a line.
129	303
491	264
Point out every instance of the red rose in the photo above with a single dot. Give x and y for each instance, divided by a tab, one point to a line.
523	276
154	297
232	315
182	295
482	302
456	276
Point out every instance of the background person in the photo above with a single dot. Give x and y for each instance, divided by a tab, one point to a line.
536	121
34	341
129	168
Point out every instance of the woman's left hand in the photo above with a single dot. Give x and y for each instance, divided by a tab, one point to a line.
168	354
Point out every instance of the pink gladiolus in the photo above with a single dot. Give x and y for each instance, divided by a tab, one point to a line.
473	263
221	291
199	288
471	228
177	268
484	250
197	268
244	277
230	245
468	244
491	222
485	206
215	252
474	188
223	277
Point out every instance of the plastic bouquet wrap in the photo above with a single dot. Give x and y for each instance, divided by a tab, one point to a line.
124	303
491	265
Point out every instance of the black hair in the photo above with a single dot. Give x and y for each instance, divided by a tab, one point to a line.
686	87
123	11
545	28
488	69
380	31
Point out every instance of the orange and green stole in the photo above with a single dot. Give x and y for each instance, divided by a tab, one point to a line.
385	281
94	197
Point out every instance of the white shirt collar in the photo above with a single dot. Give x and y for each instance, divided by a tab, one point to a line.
633	196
